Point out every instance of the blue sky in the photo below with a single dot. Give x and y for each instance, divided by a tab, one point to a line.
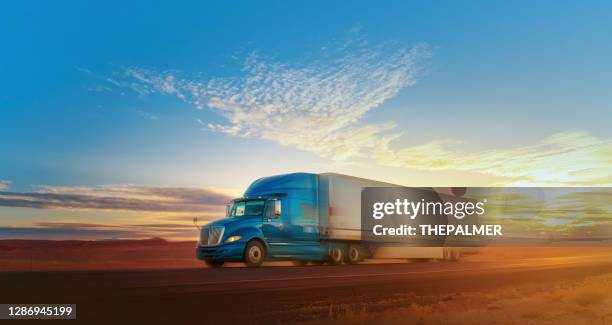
469	93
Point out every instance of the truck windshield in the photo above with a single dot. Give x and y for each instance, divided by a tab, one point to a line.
246	208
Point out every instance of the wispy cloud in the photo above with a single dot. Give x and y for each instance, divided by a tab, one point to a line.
571	158
83	70
147	115
4	185
318	107
118	197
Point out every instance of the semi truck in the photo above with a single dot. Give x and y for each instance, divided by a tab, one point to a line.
304	218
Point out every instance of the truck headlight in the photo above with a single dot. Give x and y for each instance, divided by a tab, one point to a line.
232	239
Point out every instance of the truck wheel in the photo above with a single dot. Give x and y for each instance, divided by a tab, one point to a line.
254	254
354	255
214	264
336	255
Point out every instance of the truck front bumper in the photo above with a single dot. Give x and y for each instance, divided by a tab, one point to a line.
224	252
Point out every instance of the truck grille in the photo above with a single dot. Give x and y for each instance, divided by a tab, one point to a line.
211	236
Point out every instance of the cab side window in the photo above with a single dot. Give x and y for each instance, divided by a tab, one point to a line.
270	209
273	209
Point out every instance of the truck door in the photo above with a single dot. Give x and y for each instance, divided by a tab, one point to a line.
274	228
291	231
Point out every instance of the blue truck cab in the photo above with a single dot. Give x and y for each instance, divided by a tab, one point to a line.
278	218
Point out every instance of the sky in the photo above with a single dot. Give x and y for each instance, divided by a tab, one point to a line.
126	120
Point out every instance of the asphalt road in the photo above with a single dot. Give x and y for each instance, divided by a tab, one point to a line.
276	294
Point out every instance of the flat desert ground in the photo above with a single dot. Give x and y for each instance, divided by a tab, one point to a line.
159	281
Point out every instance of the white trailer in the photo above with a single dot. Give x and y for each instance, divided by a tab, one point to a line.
344	223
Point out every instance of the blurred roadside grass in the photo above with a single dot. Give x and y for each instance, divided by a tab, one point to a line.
577	302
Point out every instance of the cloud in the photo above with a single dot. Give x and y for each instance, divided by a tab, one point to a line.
570	158
79	230
147	115
64	232
320	107
118	197
73	225
317	107
84	70
96	231
68	233
4	185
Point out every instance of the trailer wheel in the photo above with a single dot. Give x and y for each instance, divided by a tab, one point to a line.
336	255
354	255
254	253
214	264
